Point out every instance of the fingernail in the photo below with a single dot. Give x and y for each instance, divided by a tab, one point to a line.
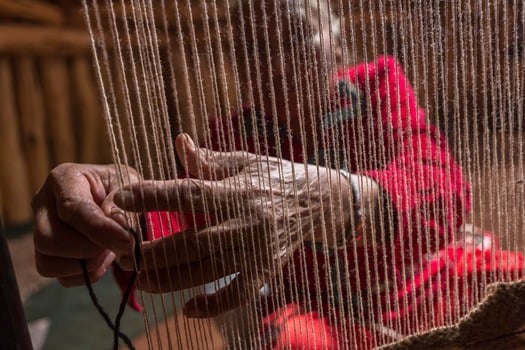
108	260
118	215
123	198
189	140
116	211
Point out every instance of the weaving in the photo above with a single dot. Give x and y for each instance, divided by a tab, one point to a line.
319	174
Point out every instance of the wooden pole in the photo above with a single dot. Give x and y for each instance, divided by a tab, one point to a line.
31	10
13	171
32	119
27	40
88	109
55	82
23	39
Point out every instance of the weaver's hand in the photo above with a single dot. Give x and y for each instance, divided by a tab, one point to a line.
71	222
263	208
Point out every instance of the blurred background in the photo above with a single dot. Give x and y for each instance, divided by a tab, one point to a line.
50	112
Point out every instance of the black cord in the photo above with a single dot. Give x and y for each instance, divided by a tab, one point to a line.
115	327
129	288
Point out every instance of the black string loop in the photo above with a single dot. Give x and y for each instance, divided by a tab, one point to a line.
115	327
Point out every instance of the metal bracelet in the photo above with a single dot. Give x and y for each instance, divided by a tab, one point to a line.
354	230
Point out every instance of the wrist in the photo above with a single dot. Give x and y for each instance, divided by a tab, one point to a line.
369	225
353	225
355	205
342	212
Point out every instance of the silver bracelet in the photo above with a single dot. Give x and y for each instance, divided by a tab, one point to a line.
354	230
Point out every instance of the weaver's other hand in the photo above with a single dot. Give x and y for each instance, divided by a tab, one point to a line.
261	209
72	223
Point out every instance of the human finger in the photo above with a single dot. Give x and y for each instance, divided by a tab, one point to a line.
52	266
54	238
190	245
238	292
207	164
89	219
181	195
190	275
76	207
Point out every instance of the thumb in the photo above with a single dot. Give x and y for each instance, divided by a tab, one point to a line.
188	154
206	164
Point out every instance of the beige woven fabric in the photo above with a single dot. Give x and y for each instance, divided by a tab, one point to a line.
490	325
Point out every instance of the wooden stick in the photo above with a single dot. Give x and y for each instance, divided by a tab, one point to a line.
13	172
38	40
26	40
32	118
31	10
55	82
88	110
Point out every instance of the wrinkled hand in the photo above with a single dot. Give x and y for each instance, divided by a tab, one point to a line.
263	208
72	222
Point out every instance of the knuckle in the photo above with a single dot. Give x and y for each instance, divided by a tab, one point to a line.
191	189
65	172
208	155
42	241
59	171
71	210
66	208
190	184
51	184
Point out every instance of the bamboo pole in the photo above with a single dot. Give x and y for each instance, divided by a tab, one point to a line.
87	104
20	39
31	10
32	119
27	40
13	173
55	82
